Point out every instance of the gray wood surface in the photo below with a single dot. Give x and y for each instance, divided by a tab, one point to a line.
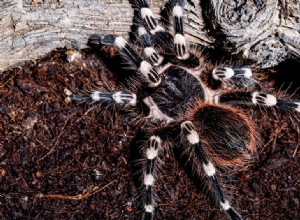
264	32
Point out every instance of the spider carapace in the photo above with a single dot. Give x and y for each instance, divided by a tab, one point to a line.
196	104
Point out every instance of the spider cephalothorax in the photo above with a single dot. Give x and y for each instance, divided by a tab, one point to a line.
194	102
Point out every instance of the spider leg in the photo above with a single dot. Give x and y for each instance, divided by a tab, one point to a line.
181	48
148	17
104	97
137	63
151	154
222	77
189	134
148	50
150	34
225	73
259	99
155	29
173	49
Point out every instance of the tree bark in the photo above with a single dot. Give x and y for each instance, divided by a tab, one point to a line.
264	32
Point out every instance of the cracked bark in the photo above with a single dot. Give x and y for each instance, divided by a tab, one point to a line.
263	32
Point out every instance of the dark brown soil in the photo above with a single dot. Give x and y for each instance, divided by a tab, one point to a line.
60	160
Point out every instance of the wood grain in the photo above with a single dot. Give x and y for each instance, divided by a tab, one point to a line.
264	32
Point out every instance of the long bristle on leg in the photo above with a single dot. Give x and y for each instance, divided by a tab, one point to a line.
189	133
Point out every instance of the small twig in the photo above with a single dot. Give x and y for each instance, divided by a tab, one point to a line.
298	143
274	135
85	194
42	144
13	76
56	141
295	152
90	109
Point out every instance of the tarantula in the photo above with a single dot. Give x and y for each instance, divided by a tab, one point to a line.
185	101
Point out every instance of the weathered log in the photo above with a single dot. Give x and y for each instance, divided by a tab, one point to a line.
265	32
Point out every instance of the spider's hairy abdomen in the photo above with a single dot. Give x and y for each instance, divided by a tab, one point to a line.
227	133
